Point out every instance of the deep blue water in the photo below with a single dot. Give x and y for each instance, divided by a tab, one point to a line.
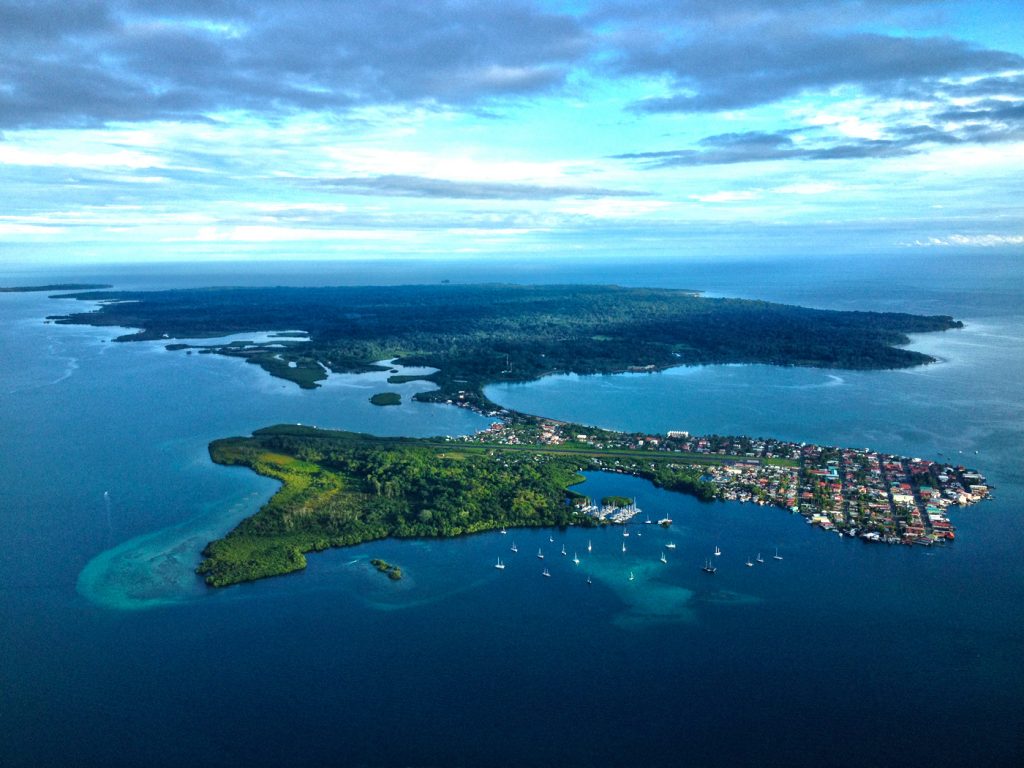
841	653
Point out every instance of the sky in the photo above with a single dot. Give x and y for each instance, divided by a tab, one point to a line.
137	130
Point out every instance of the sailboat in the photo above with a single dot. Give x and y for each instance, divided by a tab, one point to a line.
663	558
589	580
514	548
503	531
717	551
648	520
670	545
563	549
759	558
500	566
540	554
708	567
631	576
546	573
625	533
575	558
623	546
551	539
749	563
590	547
776	556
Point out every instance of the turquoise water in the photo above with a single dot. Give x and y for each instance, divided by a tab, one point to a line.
841	653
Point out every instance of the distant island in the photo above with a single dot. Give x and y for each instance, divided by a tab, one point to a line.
386	398
343	488
56	287
480	334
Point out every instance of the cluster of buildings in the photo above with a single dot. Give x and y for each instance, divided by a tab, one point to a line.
876	496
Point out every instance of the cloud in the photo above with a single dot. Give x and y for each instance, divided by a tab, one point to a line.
79	64
972	241
420	186
988	125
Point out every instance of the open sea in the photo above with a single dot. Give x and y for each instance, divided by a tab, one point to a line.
113	653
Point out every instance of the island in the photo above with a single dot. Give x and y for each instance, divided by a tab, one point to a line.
393	572
386	398
343	488
474	335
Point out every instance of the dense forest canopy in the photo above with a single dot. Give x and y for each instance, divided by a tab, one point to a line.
477	334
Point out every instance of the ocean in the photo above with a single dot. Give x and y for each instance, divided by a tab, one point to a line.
841	653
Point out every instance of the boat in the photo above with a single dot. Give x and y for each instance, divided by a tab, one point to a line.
648	520
759	558
665	522
750	563
623	546
776	556
589	580
546	573
717	551
551	539
503	531
663	558
540	554
590	547
500	566
575	558
708	567
625	533
631	576
514	548
670	545
563	549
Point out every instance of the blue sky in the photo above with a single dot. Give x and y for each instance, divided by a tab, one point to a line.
212	129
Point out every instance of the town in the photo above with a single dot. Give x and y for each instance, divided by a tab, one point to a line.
852	492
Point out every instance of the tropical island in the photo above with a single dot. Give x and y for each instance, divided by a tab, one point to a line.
386	398
475	335
343	488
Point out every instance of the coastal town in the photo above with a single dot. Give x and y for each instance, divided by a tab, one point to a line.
852	492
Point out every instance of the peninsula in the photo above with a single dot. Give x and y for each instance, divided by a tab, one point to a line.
475	335
343	488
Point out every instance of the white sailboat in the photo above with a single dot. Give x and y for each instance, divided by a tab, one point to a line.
575	558
500	566
540	554
663	558
514	548
546	573
623	546
503	531
759	558
625	533
590	547
776	556
717	551
749	563
670	545
563	550
631	576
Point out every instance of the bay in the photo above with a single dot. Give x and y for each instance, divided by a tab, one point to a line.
841	653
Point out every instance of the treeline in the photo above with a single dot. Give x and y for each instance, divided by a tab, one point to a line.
478	334
344	491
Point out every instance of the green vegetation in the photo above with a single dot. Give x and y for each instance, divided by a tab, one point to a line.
478	334
386	398
342	488
616	501
393	571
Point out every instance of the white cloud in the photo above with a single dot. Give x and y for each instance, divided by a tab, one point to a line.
976	241
727	197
